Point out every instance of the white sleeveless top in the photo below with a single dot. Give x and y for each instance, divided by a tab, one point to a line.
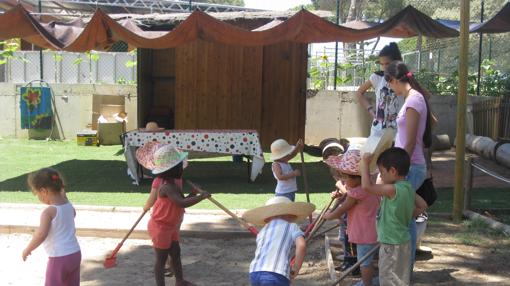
285	186
61	239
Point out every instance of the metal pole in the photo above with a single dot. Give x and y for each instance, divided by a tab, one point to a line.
458	195
190	5
335	72
480	52
41	68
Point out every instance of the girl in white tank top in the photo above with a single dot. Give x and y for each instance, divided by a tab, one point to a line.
281	153
57	231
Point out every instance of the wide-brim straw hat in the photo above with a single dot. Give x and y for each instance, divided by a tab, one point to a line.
377	143
277	206
281	148
145	154
347	163
152	127
167	157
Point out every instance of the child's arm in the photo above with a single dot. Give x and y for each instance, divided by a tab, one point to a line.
151	199
174	193
42	231
300	256
339	211
420	205
387	190
280	176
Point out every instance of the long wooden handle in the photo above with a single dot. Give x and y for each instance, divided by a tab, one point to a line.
240	220
305	179
356	265
320	220
127	234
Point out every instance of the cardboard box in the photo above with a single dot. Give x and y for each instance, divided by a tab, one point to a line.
87	138
109	133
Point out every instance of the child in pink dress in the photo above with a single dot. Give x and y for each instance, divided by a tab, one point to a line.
57	231
361	208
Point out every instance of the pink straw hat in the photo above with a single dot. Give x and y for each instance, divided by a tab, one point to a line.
347	163
167	157
145	154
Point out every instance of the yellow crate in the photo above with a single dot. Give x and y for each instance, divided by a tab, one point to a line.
87	138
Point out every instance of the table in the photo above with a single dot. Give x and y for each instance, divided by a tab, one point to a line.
232	142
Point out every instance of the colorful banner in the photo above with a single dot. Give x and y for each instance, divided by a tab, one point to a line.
35	108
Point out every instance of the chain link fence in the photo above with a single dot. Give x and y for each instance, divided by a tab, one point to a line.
66	67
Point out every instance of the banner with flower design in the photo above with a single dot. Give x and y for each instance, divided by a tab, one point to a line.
35	108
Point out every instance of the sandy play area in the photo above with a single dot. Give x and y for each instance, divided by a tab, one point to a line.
458	259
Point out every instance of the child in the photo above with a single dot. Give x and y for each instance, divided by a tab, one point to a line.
168	212
395	214
361	208
281	153
56	232
271	265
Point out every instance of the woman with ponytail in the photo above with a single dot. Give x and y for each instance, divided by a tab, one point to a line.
414	122
387	103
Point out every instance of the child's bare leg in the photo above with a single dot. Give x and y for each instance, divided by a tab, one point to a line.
159	266
175	254
367	273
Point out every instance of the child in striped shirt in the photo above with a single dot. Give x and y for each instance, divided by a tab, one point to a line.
271	265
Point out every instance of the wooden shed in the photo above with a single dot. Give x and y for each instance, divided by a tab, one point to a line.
204	85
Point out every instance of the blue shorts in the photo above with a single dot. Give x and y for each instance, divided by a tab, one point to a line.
266	278
291	196
364	249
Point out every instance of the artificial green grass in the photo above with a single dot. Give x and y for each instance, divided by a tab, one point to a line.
97	176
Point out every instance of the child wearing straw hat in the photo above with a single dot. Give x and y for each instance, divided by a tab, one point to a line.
281	153
168	212
361	208
271	265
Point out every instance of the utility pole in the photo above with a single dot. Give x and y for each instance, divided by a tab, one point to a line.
41	68
335	71
458	195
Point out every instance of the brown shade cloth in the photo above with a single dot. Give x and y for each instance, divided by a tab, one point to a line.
304	27
500	23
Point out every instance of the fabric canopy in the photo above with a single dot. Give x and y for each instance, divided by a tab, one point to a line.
304	27
500	23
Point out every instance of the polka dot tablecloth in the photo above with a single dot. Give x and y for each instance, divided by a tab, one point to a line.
234	142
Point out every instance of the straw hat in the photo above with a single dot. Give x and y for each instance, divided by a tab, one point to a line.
167	157
377	143
145	154
152	126
280	148
278	206
347	163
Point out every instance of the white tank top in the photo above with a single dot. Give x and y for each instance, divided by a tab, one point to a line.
61	239
285	186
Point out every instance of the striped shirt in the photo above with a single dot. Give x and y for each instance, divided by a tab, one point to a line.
274	243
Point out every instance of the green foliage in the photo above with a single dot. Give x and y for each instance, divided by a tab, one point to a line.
8	49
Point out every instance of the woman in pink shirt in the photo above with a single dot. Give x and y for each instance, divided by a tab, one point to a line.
414	122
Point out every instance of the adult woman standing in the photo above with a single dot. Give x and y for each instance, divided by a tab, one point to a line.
413	130
387	103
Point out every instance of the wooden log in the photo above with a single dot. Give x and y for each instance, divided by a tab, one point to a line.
441	142
492	223
485	146
503	155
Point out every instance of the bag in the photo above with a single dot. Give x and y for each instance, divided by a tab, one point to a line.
427	191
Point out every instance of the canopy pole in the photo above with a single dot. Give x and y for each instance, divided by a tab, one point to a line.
458	195
41	68
480	52
335	71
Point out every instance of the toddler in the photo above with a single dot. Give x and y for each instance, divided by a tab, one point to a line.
281	153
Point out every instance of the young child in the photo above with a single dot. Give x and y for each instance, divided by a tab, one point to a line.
395	214
271	265
281	153
361	208
168	212
56	232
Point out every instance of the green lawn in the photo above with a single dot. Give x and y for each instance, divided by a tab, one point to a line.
97	176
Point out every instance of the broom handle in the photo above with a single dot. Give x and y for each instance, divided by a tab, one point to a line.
127	235
241	221
348	271
305	179
320	219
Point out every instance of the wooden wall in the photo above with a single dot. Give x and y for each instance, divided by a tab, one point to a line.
229	87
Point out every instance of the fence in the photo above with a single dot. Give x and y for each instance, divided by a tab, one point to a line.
66	67
491	118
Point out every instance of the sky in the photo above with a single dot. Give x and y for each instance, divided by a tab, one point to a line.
282	5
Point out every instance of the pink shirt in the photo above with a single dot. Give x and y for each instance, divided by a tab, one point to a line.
415	101
361	217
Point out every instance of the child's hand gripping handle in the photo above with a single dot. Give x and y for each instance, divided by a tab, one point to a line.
197	189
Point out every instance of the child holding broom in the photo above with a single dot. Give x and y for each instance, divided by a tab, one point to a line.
271	265
168	212
57	231
281	153
361	208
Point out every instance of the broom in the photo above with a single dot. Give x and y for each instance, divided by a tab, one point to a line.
111	260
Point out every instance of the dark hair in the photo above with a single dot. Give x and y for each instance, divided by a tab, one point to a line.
391	51
45	178
397	158
399	71
174	173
